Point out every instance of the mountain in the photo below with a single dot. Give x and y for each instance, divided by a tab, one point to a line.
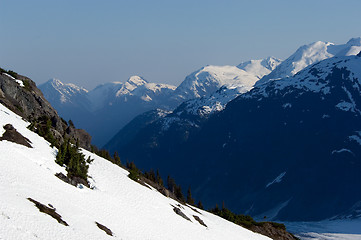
105	109
260	67
210	78
312	53
230	86
69	100
134	88
21	95
36	204
287	149
113	105
229	82
63	94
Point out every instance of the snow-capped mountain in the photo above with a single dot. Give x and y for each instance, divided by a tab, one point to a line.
285	149
233	83
209	90
260	67
135	87
114	205
64	93
210	78
110	105
312	53
69	100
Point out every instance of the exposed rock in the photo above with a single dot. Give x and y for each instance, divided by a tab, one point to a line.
273	230
50	211
75	181
180	213
104	228
198	219
12	135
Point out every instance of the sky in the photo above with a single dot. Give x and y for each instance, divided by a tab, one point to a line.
89	42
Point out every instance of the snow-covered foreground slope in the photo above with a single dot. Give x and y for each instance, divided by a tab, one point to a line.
128	209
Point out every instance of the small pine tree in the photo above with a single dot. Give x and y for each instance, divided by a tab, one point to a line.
159	178
190	200
171	184
178	193
200	205
116	159
134	172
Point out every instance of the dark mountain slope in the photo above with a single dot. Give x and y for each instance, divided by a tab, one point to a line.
289	149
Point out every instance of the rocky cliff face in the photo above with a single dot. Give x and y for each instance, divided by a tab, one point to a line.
20	94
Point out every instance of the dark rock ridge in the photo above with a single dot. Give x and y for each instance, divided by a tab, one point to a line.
288	150
21	95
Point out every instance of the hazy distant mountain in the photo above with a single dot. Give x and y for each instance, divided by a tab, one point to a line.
70	101
107	108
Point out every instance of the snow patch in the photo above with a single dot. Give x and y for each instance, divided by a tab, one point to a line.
278	179
356	137
287	105
342	150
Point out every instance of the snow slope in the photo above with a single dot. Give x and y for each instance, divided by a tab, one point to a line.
128	209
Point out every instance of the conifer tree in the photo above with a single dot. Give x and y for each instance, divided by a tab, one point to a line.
159	178
190	200
117	158
74	161
171	184
200	205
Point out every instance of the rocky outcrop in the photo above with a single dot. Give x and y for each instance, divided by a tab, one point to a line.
12	135
273	230
20	94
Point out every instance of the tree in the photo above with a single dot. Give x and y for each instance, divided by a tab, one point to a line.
171	184
178	193
134	172
159	178
116	159
190	200
200	205
74	161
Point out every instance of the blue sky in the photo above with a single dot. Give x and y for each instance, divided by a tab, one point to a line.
88	42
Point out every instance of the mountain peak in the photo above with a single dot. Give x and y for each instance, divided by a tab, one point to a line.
354	41
137	80
54	82
309	54
260	67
